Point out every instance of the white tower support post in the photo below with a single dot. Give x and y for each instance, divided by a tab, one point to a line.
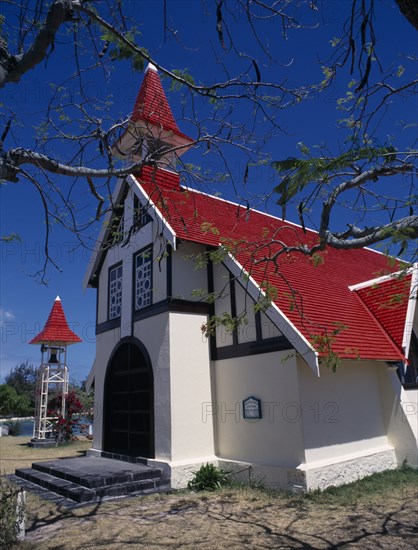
52	380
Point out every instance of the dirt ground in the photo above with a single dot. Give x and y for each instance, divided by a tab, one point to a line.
231	519
382	514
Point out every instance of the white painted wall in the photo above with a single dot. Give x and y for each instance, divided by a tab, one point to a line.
105	344
154	333
342	412
190	383
187	277
268	329
223	303
401	417
277	438
245	306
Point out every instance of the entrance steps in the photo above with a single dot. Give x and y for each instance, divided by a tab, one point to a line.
91	479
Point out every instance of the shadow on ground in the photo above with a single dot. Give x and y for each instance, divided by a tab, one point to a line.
229	520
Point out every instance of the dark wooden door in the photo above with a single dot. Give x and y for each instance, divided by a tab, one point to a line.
128	403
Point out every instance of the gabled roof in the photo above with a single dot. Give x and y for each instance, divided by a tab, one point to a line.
313	295
56	330
152	106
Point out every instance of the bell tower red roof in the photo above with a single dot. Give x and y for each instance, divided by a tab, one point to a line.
152	106
56	330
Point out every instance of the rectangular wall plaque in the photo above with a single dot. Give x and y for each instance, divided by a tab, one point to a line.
251	407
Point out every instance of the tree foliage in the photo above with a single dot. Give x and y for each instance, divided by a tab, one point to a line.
11	403
22	378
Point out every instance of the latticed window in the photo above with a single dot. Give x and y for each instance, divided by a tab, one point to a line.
115	292
143	279
141	216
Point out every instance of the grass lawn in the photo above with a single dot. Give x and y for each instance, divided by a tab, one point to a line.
16	453
378	512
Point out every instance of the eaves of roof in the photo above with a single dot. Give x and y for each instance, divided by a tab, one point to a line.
315	297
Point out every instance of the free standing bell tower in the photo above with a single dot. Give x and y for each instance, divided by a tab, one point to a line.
52	375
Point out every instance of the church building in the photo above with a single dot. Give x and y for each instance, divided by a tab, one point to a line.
293	372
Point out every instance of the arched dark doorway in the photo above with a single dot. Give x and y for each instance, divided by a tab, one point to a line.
129	401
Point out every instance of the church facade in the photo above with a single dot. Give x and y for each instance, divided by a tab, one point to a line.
207	351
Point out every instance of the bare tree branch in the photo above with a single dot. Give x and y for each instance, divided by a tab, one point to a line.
13	67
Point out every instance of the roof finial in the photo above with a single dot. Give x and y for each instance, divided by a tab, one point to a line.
151	67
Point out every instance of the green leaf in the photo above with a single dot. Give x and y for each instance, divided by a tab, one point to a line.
303	148
298	173
185	75
10	238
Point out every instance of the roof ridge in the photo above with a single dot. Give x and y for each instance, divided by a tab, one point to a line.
242	206
271	216
383	278
378	323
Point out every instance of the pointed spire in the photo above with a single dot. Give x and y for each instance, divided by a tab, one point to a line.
56	330
152	106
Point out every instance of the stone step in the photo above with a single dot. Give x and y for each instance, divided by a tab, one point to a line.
60	486
96	480
88	479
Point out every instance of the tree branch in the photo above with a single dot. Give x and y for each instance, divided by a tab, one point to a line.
13	67
10	162
356	182
407	226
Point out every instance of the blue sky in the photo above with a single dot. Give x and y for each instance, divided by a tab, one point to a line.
25	303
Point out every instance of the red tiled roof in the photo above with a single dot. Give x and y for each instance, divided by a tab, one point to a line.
321	291
56	330
388	302
159	178
152	106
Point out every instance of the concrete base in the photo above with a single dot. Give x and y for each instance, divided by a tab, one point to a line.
42	443
91	479
349	468
304	477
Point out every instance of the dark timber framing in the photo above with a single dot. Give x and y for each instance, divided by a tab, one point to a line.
258	346
279	343
169	271
233	307
108	325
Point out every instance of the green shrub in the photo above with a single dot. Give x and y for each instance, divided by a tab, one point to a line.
11	515
208	478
